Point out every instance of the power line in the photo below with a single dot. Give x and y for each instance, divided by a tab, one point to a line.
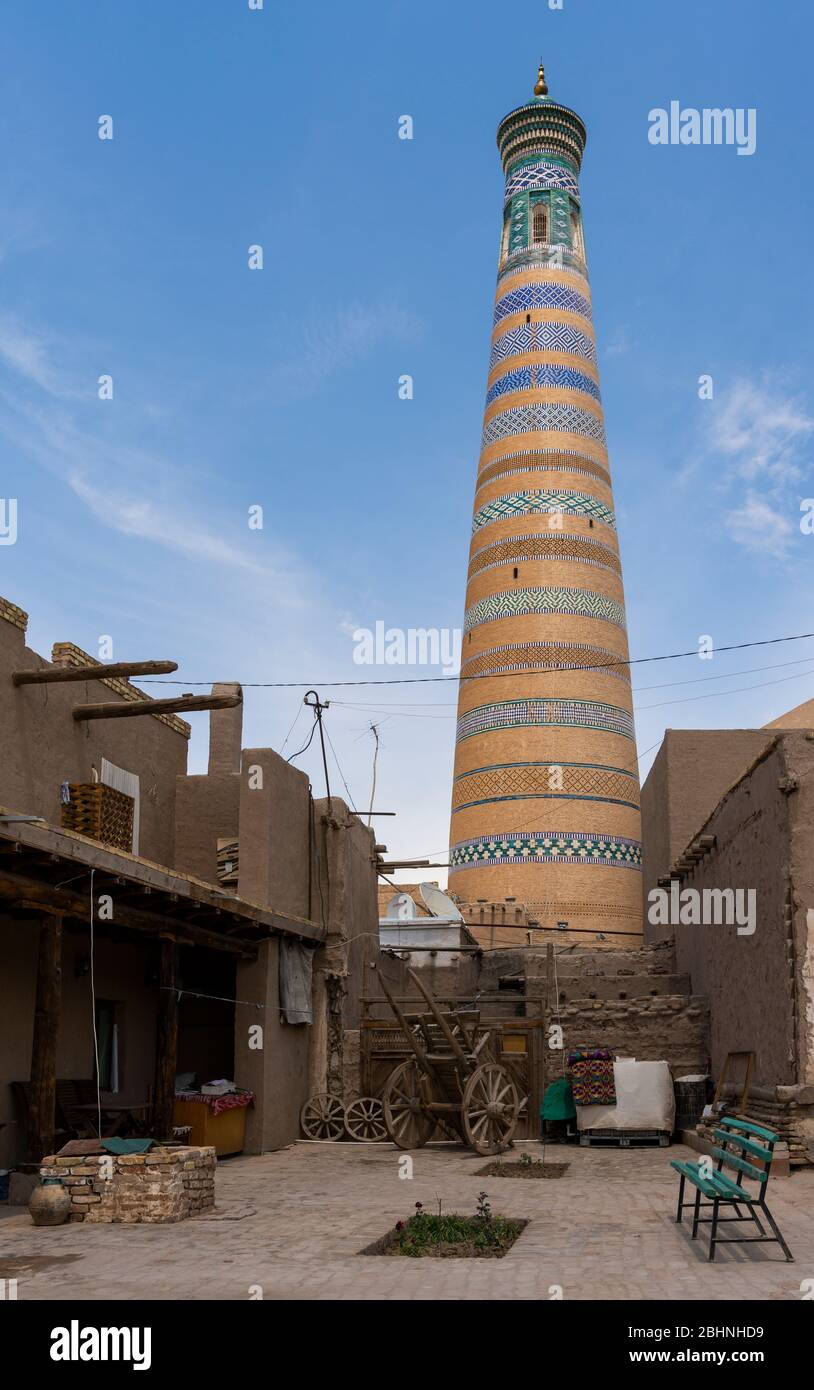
396	705
432	680
399	713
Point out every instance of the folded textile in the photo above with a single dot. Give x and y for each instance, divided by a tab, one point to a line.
592	1081
589	1054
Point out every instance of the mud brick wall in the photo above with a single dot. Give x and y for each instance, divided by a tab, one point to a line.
161	1186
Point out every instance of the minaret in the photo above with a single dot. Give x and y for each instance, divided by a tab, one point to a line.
545	803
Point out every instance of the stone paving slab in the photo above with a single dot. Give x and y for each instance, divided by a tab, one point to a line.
603	1231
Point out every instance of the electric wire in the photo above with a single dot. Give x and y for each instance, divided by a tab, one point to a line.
432	680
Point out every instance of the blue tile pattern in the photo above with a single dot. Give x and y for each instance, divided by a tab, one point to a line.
542	337
543	295
542	713
532	503
541	417
517	603
537	377
548	847
542	175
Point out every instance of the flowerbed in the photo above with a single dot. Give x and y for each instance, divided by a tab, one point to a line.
450	1235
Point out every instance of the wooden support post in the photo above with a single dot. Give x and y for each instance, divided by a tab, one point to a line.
166	1044
47	1008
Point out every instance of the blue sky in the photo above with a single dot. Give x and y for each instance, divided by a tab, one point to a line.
279	387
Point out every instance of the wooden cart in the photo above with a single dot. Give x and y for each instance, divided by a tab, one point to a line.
450	1080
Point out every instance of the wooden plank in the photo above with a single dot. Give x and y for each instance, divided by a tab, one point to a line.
47	1009
74	852
439	1018
130	709
57	675
166	1053
409	1035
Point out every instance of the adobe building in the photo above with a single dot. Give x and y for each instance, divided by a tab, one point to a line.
726	813
545	801
175	932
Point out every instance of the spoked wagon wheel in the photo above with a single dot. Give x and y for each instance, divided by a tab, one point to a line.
489	1109
364	1120
408	1126
323	1117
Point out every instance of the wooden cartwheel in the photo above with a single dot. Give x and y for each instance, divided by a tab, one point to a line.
447	1083
323	1117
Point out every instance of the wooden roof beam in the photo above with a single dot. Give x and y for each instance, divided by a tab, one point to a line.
183	704
56	675
17	889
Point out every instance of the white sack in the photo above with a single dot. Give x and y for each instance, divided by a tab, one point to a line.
644	1100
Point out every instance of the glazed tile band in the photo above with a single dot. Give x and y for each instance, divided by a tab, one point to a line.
535	378
541	418
546	656
515	603
542	295
542	502
542	337
542	174
545	781
551	545
545	713
549	846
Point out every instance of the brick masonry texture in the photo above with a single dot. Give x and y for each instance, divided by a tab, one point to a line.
545	574
161	1186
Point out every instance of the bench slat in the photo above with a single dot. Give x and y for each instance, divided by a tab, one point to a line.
747	1145
748	1128
716	1185
740	1165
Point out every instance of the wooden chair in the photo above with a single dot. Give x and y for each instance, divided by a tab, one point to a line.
753	1160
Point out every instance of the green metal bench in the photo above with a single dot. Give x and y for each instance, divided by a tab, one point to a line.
753	1160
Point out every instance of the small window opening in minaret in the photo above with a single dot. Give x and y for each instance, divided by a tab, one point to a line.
539	225
516	571
528	318
576	235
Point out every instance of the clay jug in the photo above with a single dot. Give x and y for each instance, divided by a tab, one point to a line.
50	1203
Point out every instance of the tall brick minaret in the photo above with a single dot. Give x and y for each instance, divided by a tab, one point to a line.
545	804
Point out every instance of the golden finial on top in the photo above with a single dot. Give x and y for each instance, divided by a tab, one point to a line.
541	90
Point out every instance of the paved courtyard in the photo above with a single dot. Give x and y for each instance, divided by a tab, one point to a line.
289	1225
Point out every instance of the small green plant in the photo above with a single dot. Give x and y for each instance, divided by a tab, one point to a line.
483	1211
526	1159
483	1233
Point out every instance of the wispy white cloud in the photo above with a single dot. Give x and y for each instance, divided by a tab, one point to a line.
761	526
133	514
30	354
131	490
332	342
761	427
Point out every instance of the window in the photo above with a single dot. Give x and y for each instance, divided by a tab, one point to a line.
576	235
539	224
